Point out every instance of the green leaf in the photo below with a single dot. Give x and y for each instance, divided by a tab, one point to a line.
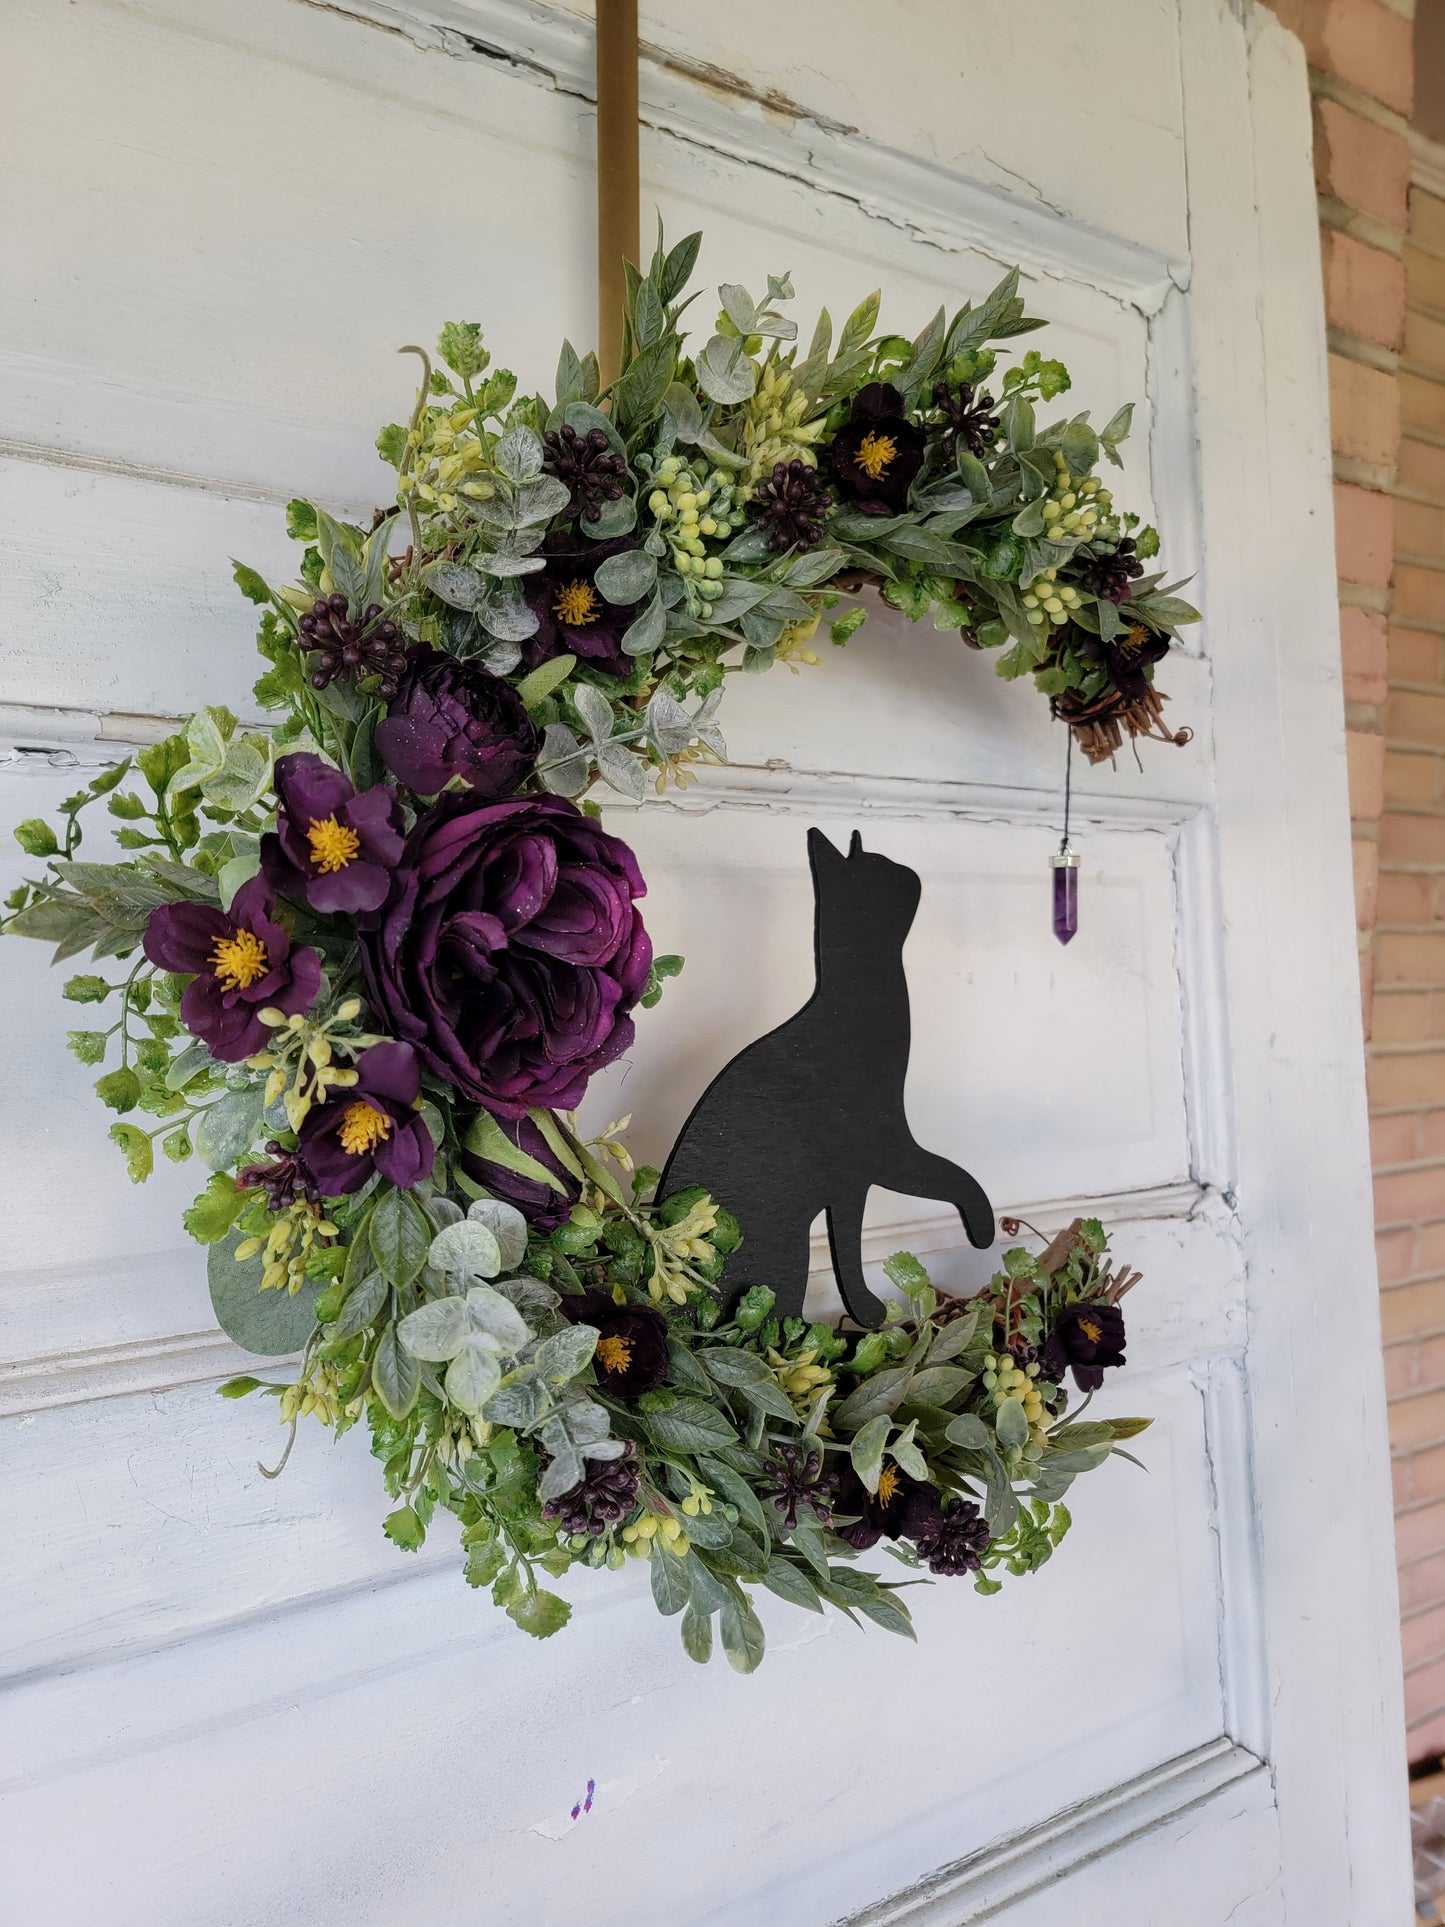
969	1431
139	1153
361	1307
536	688
884	1392
724	372
239	1387
1011	1423
87	1045
486	1139
671	1588
690	1426
268	1323
627	576
251	585
36	838
937	1384
697	1635
87	990
734	1488
955	1337
395	1375
742	1636
678	266
400	1237
215	1210
119	1090
539	1613
790	1582
866	1450
460	346
904	1270
404	1529
230	1127
177	1144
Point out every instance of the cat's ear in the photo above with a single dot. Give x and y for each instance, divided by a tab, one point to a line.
822	855
855	848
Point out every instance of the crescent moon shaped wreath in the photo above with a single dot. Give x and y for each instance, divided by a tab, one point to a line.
370	956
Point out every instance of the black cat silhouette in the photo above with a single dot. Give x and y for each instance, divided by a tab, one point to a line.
812	1114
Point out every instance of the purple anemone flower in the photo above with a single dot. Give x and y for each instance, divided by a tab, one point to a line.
1086	1338
375	1126
452	718
574	618
542	1207
240	962
511	952
332	848
877	453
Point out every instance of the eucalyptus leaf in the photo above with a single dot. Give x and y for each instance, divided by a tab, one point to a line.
1011	1422
519	454
230	1127
472	1377
622	771
561	1473
436	1331
627	576
724	372
564	766
866	1450
468	1251
269	1323
566	1353
507	1226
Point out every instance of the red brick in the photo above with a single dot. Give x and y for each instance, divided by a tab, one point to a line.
1403	1196
1419	592
1403	898
1422	1636
1412	1078
1430	1240
1394	1255
1400	1480
1422	464
1420	1533
1413	655
1394	1140
1424	277
1414	716
1414	778
1414	1308
1361	41
1420	530
1427	1475
1425	341
1410	1017
1365	855
1365	166
1400	1372
1422	402
1429	1362
1412	958
1367	992
1427	220
1365	755
1432	1139
1364	535
1412	839
1364	646
1364	413
1425	1692
1364	289
1422	1584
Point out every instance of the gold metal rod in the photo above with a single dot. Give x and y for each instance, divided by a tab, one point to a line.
618	187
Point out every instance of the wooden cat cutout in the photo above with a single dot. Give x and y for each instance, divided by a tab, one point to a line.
812	1114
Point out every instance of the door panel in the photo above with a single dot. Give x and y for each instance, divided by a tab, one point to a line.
252	1699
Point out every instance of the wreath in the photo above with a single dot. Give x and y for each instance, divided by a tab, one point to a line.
377	951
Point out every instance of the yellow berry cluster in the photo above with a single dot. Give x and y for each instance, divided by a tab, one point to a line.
674	1246
316	1394
691	506
299	1056
800	1378
445	459
1049	601
639	1536
1007	1380
774	429
287	1246
1079	508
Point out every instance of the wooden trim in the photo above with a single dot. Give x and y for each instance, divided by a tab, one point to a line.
617	173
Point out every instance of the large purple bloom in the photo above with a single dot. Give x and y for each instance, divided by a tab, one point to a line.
452	718
372	1127
877	453
332	848
542	1207
573	616
510	952
240	963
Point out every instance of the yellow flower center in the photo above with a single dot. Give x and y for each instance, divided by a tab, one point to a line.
363	1127
875	452
1090	1330
614	1354
239	961
1133	640
333	845
887	1484
576	604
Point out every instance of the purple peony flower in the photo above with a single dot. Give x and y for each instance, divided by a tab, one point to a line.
573	616
374	1126
331	848
452	718
542	1207
511	952
240	962
877	453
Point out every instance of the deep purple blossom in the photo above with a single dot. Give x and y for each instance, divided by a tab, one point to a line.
542	1207
573	616
1086	1337
511	951
877	453
453	718
240	962
631	1356
881	1514
332	848
373	1126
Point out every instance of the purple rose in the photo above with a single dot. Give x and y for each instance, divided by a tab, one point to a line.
510	952
573	616
241	962
332	848
542	1207
372	1127
452	718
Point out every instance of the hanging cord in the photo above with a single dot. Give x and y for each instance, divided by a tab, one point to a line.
1068	792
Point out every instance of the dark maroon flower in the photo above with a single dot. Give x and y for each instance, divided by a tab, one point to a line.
511	952
241	962
539	1204
1125	658
880	1513
374	1126
878	452
1112	574
606	1495
331	848
950	1537
1087	1338
592	469
452	718
631	1356
573	616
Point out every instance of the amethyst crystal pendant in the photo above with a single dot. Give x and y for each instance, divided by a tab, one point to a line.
1065	866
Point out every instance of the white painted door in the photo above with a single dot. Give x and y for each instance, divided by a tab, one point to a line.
228	1701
